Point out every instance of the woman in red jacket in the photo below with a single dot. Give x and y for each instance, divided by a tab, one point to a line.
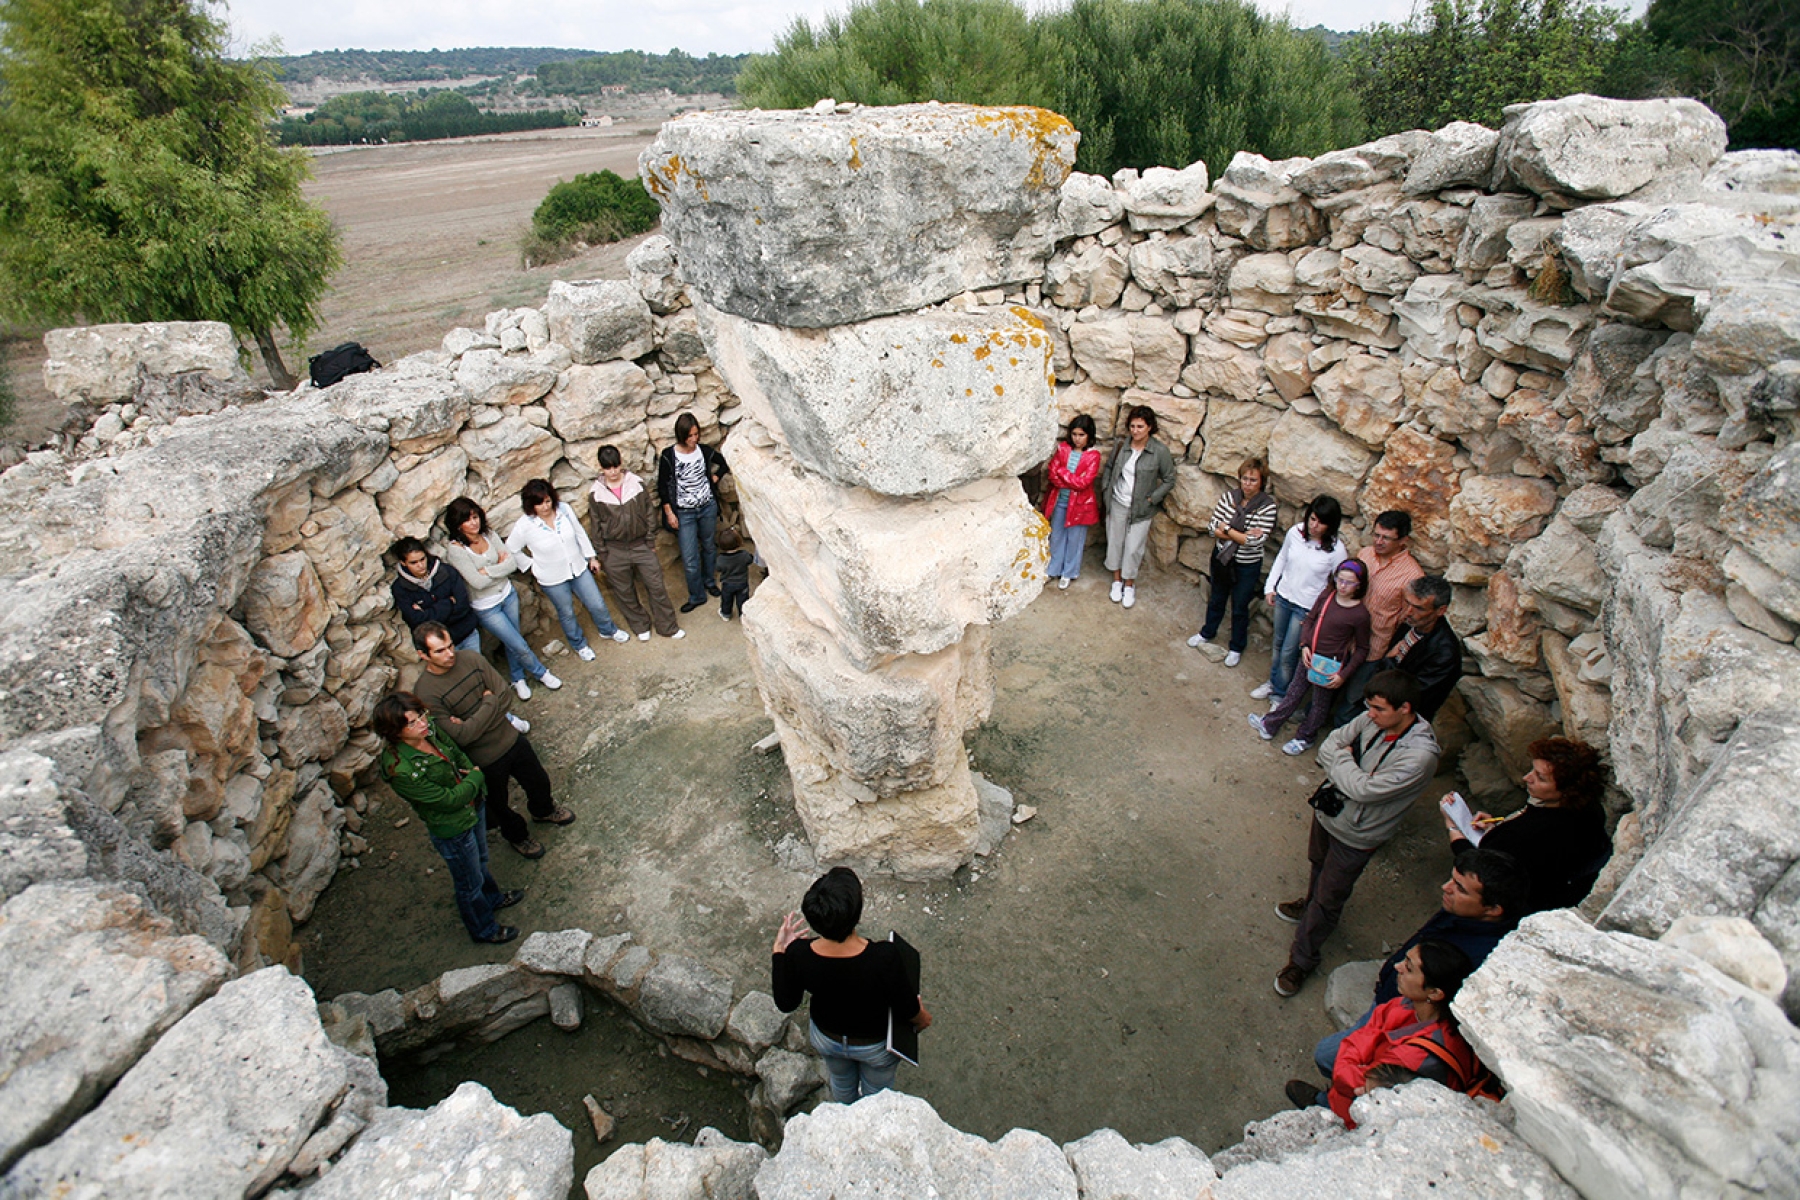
1070	503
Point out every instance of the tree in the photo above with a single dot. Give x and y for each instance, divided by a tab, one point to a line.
138	180
1740	56
1466	60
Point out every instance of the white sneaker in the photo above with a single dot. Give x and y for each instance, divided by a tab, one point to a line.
678	635
522	689
1261	691
644	636
1062	585
1233	659
1262	730
1130	597
519	723
550	681
1294	747
619	635
1118	591
585	654
1197	641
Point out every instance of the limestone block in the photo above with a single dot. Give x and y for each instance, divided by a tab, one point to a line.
509	452
1100	403
213	717
1361	166
812	219
459	341
1350	990
219	1106
598	320
1563	565
418	412
1592	237
1164	198
312	850
1309	457
1219	368
1761	173
467	1144
1107	1167
895	728
1491	514
1286	1134
1507	718
1613	385
491	377
1367	322
100	363
656	275
1417	473
1413	1139
1178	270
312	732
1362	214
1430	231
1748	324
1233	432
1732	946
1776	594
1190	502
756	1022
1087	205
684	997
1319	270
1668	1079
283	604
93	958
1378	271
924	833
1461	154
1511	631
891	1143
1239	327
1525	333
1284	360
1257	202
1586	705
904	406
600	400
1103	350
1683	505
788	1078
345	540
1669	265
1588	148
1362	394
880	575
560	953
1427	316
419	496
1484	238
713	1168
1157	352
1559	441
1269	282
1093	275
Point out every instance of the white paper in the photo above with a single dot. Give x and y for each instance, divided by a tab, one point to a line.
1457	809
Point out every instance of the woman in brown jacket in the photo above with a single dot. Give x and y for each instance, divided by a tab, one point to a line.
625	517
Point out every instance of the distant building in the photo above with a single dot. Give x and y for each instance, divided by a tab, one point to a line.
600	122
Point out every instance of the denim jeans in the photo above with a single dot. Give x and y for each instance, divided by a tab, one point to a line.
699	555
562	598
1289	617
476	892
473	641
1350	696
502	621
854	1071
1326	1052
1066	542
1238	585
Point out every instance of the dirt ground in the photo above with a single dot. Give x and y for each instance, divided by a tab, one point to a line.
1111	965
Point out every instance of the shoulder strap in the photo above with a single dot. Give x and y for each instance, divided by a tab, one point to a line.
1462	1068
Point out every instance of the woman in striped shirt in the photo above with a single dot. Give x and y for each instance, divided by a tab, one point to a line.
1241	521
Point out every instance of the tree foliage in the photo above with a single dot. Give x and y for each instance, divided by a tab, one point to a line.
138	181
587	210
392	117
1740	56
417	66
1466	60
634	70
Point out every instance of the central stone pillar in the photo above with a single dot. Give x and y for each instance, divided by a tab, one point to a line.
878	459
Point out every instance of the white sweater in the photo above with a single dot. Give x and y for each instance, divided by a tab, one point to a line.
1302	570
555	555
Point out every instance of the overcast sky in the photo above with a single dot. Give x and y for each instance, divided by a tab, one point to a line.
697	26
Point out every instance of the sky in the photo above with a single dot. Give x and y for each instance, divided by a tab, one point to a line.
696	26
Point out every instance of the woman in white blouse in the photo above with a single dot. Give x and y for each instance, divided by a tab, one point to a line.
552	542
1309	554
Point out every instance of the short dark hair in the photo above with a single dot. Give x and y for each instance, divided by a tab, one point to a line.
404	548
609	456
1504	883
1396	519
460	510
833	904
429	629
1085	423
1144	413
1580	779
1396	687
1434	588
535	492
1331	516
1444	966
728	540
389	717
684	425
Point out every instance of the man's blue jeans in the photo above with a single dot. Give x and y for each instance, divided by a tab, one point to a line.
854	1071
476	892
699	553
1285	655
502	621
562	598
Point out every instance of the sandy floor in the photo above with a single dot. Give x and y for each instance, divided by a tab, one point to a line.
1110	966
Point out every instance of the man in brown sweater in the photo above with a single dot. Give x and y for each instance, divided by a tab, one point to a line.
468	696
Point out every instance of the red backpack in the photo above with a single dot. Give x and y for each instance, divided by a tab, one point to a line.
1468	1074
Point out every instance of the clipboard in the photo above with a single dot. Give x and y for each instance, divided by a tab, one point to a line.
1457	809
902	1038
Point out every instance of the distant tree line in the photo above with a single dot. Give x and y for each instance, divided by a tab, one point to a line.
356	117
637	71
420	66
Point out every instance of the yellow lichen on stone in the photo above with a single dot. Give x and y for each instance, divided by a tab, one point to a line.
1044	128
855	156
981	352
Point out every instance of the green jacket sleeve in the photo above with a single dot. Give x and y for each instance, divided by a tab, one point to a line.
426	784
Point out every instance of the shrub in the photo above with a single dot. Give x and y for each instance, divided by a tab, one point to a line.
587	210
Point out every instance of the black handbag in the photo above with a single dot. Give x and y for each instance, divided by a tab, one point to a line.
1326	799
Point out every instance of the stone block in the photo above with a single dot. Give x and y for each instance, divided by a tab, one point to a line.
1417	473
1732	946
713	1168
284	605
1178	270
1257	202
1103	350
1309	457
1219	368
684	997
1164	198
756	1022
1107	1167
599	320
504	455
1234	432
656	274
1362	166
1461	154
100	363
491	377
599	400
418	412
1093	275
1088	205
1362	394
1492	514
563	952
1587	148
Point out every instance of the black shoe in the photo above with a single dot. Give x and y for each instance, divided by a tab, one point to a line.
1301	1094
501	936
712	589
691	605
509	898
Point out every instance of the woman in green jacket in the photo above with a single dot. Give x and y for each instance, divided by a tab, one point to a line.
430	772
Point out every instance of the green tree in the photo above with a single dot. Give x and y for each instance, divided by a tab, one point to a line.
900	52
1466	60
1166	82
138	181
1740	56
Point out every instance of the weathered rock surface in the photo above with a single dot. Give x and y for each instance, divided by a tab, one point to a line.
1586	148
713	1168
1107	1167
681	996
812	219
102	362
598	320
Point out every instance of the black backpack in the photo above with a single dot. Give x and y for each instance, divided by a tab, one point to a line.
332	365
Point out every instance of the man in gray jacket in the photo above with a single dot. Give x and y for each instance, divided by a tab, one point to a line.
1378	765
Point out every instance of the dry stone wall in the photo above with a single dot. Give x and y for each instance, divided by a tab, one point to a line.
1571	347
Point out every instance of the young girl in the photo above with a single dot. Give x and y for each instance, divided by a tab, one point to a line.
1070	504
1337	629
1309	554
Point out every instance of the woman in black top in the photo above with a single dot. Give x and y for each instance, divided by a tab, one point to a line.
854	983
1559	837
